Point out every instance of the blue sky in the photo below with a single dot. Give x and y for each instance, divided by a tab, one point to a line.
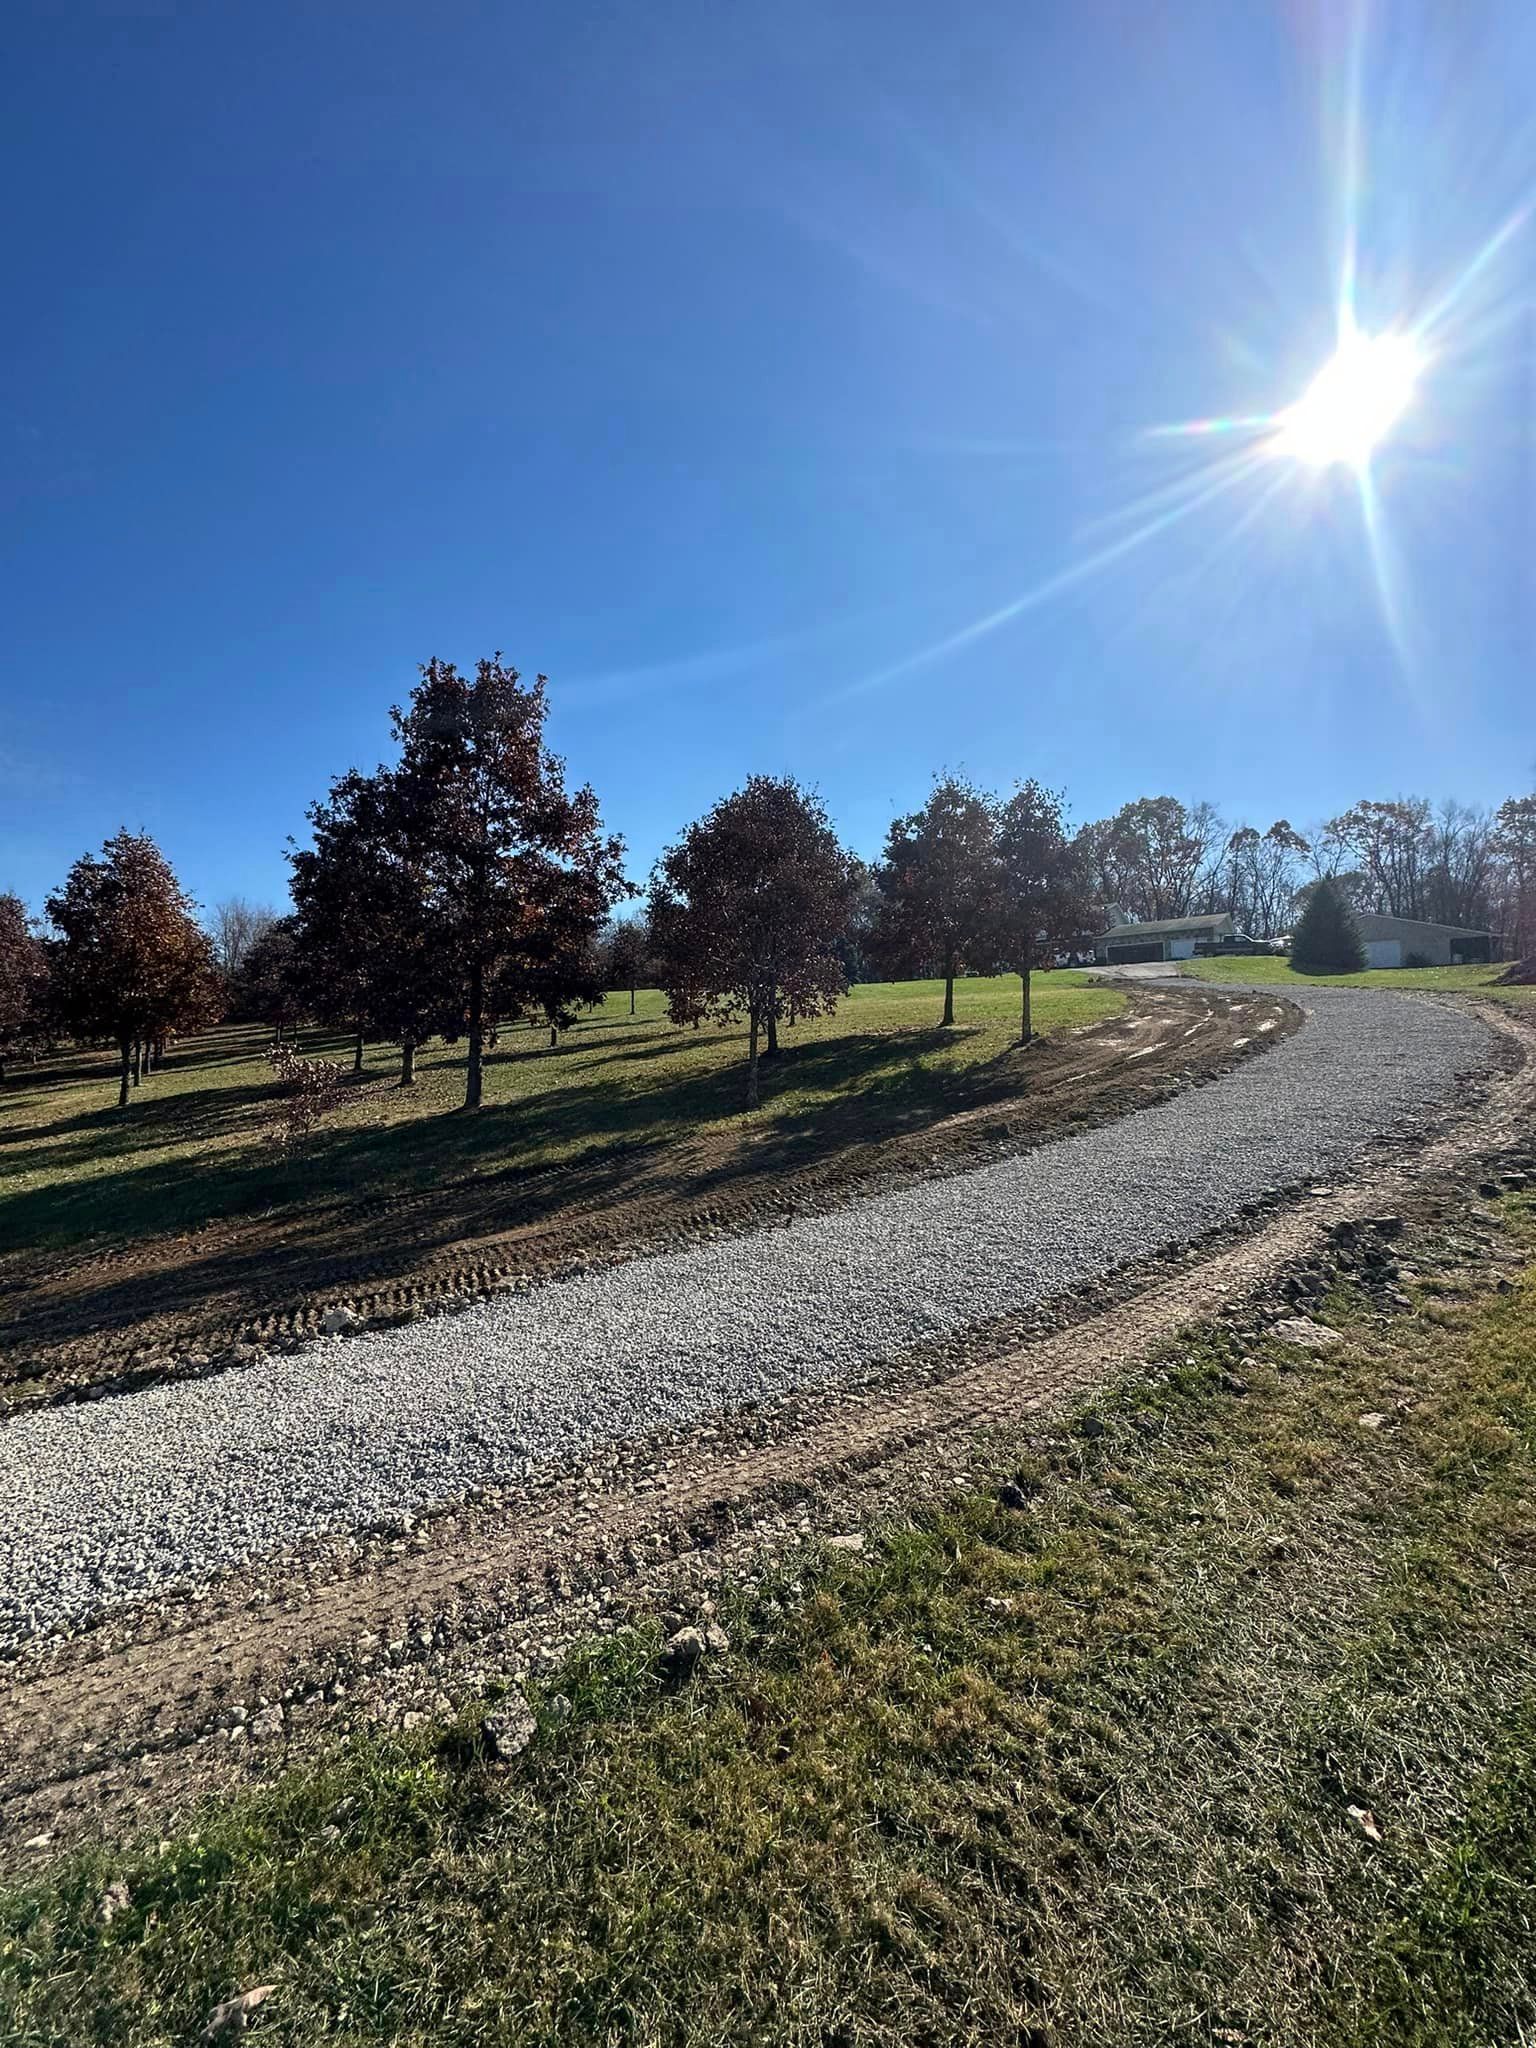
730	365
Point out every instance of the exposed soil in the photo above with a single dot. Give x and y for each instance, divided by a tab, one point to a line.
109	1319
99	1732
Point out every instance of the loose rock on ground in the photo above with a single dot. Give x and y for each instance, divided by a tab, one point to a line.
127	1497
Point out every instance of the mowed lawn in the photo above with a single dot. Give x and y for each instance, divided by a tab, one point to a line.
1270	968
196	1142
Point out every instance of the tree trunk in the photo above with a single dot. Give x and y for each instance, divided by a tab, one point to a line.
772	1049
554	1036
752	1061
631	999
949	989
474	1088
357	1054
1026	1021
407	1064
125	1073
138	1060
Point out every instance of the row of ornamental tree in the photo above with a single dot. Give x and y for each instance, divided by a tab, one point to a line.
465	885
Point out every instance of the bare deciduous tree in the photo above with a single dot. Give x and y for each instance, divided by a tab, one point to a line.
1516	839
1154	858
234	927
1260	875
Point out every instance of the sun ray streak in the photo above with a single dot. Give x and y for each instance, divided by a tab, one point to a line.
1352	174
1384	570
1242	462
1053	586
1427	323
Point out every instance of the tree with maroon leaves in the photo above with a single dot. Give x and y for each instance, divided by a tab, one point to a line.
134	964
1044	898
626	956
272	987
748	911
365	955
23	983
939	886
516	868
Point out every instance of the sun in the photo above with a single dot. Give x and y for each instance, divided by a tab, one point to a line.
1353	403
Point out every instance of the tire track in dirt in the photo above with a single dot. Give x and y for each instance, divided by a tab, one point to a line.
129	1316
111	1726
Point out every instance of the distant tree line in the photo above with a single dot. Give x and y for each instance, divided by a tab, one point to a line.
1452	864
465	886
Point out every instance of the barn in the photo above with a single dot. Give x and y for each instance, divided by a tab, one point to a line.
1169	938
1412	942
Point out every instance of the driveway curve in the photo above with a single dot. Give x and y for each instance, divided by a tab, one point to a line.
111	1501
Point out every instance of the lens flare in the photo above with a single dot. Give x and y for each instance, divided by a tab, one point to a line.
1353	403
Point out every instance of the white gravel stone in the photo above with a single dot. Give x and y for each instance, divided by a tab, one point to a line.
112	1500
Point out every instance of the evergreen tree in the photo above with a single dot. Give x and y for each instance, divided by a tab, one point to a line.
1327	940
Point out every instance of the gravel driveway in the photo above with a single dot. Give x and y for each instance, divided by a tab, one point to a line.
107	1501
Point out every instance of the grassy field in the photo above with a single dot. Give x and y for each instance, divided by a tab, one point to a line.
1267	968
1228	1735
195	1144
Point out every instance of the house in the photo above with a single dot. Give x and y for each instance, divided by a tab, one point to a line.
1411	942
1169	938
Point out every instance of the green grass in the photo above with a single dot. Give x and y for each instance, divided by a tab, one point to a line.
1272	968
194	1143
1077	1774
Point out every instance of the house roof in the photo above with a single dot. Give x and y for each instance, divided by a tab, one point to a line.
1380	924
1170	927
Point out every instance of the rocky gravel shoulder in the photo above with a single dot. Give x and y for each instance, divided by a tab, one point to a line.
129	1498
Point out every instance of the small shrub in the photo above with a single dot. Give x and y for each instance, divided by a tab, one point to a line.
310	1090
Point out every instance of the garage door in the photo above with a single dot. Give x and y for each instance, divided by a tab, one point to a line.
1131	956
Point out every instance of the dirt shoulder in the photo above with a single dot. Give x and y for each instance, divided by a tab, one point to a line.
120	1317
163	1703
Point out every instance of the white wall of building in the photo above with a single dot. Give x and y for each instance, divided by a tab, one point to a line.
1383	952
1181	949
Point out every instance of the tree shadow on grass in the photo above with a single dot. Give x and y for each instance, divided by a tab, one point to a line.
368	1192
374	1204
193	1117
